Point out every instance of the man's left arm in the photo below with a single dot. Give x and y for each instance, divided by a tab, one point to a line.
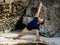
39	10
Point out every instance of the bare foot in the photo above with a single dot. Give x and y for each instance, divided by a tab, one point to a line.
38	40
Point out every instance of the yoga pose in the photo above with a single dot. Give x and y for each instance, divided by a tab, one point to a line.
33	26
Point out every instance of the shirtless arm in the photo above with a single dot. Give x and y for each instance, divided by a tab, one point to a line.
39	10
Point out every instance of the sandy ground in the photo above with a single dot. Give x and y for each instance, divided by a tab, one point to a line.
7	38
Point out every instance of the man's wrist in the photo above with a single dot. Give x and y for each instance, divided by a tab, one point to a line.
40	6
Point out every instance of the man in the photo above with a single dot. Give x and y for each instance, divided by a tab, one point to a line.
33	26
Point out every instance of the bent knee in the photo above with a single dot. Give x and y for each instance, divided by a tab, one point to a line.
35	30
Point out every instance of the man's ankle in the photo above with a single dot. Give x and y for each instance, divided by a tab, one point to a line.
37	39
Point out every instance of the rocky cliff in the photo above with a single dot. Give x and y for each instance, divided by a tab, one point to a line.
50	12
25	10
10	13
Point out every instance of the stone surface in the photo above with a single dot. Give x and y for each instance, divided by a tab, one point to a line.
10	13
50	12
7	39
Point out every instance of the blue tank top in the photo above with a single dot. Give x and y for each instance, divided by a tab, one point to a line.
33	24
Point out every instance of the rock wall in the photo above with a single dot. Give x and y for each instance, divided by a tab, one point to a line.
50	12
10	13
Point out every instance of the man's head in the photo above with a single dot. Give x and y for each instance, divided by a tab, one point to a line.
40	20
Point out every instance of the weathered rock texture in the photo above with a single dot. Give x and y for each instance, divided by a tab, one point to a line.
50	12
11	17
10	14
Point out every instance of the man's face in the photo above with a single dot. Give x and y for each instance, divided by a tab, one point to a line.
40	21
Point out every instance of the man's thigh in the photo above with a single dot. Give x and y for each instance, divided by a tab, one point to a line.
34	31
25	30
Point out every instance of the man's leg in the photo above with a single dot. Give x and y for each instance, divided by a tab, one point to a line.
37	36
22	33
26	31
35	31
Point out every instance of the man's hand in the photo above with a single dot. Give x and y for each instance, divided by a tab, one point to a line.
40	5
